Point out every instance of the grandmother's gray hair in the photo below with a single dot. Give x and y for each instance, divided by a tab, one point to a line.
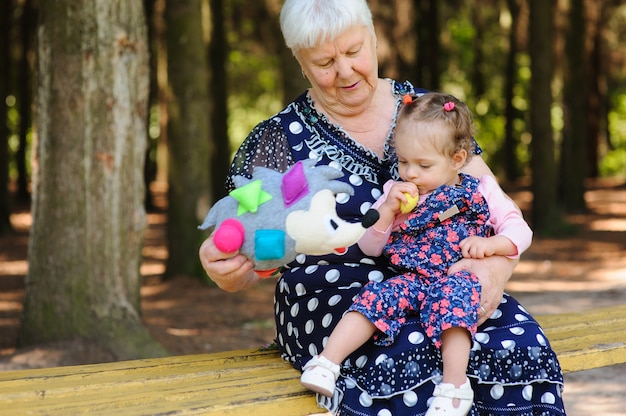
308	23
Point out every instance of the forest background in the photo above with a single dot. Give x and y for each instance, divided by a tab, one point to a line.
106	102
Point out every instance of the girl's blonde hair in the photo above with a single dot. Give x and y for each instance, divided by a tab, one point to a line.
441	108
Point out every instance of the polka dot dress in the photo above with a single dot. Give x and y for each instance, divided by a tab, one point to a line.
512	367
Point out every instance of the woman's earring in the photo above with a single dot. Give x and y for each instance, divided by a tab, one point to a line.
303	74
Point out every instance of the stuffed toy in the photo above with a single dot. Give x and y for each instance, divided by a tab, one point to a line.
273	217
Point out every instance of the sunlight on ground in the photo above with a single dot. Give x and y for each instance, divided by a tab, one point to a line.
21	221
581	274
17	267
151	290
612	224
180	332
152	269
157	218
561	285
148	304
596	392
155	252
8	306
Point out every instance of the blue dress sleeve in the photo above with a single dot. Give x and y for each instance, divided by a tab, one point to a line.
267	146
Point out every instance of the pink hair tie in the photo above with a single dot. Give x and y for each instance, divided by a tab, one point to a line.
449	106
407	99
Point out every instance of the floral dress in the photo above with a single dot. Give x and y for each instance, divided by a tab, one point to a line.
512	366
423	248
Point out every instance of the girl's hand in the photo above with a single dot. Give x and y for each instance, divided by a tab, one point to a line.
399	195
230	271
479	247
476	247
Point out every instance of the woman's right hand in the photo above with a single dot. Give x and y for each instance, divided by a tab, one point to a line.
230	273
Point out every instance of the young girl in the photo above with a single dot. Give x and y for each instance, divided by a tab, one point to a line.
457	216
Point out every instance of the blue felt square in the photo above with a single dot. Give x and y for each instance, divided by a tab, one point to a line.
269	244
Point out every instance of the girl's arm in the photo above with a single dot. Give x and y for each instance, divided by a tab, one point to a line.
476	247
495	271
512	233
388	206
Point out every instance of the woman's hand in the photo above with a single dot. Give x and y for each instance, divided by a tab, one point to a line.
230	273
494	272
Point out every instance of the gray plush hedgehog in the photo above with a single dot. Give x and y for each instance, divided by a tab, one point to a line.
273	216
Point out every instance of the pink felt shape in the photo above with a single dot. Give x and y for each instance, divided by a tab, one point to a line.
228	238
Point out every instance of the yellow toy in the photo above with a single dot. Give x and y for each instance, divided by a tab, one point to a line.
411	203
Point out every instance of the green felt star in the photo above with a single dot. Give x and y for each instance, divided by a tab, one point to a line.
250	197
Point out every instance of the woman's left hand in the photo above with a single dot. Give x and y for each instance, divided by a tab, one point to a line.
493	272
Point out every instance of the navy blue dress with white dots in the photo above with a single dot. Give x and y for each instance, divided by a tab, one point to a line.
512	367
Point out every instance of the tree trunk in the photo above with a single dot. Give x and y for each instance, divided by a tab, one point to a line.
88	216
428	44
544	185
395	25
511	162
188	135
6	11
599	73
480	23
575	96
218	59
25	96
150	165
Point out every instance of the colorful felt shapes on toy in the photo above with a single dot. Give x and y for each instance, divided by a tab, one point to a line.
274	216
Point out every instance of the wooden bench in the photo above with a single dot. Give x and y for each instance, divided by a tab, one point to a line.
249	382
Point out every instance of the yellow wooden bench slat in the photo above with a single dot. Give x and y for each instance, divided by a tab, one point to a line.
212	384
588	339
248	382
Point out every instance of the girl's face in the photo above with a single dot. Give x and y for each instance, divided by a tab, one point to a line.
343	72
421	158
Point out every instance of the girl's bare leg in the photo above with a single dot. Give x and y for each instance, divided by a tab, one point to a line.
455	348
352	331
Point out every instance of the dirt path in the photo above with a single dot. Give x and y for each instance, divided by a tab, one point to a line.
579	272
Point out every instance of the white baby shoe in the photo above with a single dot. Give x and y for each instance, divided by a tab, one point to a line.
445	393
320	375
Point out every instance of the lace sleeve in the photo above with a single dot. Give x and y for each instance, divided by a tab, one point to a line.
267	146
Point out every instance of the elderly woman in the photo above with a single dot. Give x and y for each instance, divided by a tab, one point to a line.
347	120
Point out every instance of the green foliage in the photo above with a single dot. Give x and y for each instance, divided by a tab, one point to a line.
13	120
14	140
255	88
614	161
254	92
245	112
253	74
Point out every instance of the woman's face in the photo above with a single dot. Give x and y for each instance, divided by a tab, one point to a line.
343	72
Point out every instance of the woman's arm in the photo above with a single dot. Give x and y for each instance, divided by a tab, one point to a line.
235	273
494	272
477	167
